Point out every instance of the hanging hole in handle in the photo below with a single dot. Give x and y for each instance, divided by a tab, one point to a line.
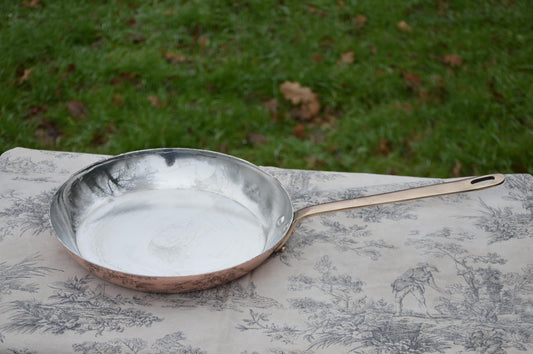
482	179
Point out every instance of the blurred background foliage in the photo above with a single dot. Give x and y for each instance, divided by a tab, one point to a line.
422	87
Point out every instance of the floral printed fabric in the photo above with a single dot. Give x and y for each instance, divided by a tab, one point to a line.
445	274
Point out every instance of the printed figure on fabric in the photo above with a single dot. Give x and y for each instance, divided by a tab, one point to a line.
414	282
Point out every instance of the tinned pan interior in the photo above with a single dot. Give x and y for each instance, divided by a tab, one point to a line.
164	169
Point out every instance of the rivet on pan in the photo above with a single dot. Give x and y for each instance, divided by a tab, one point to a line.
280	221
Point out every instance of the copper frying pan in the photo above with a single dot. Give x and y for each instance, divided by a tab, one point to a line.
177	220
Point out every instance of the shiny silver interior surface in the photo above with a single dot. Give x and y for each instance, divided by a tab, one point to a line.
168	169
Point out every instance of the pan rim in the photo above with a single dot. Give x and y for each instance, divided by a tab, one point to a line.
113	158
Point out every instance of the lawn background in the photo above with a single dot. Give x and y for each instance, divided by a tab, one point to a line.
427	88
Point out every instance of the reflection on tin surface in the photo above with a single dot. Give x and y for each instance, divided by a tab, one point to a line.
170	233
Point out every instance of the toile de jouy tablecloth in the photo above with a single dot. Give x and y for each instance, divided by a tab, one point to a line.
445	274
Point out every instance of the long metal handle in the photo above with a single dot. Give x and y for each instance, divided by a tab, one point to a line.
434	190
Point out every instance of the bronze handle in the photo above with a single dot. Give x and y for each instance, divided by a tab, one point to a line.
434	190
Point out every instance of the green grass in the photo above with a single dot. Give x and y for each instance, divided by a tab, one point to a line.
400	107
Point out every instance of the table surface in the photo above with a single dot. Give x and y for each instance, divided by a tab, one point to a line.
444	274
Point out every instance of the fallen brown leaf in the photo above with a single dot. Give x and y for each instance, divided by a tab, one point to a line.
36	111
70	69
453	60
347	58
303	97
123	77
118	100
48	132
170	12
313	162
426	96
456	170
132	22
203	41
405	107
404	27
295	93
317	58
384	147
299	131
223	148
32	4
155	101
97	43
360	20
59	89
438	92
77	109
101	137
497	95
25	76
256	139
315	10
307	110
174	58
442	7
135	38
272	108
413	81
327	120
327	42
272	105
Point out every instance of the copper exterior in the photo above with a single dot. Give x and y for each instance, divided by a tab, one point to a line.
168	169
171	285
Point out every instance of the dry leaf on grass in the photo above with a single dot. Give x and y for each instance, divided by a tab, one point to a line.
453	60
32	3
496	94
123	77
25	76
317	58
456	170
132	22
203	41
256	139
384	147
97	43
347	58
315	10
36	112
413	81
101	136
135	38
360	20
303	97
77	109
155	101
314	163
272	108
118	100
404	27
404	107
48	132
71	68
299	131
174	58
